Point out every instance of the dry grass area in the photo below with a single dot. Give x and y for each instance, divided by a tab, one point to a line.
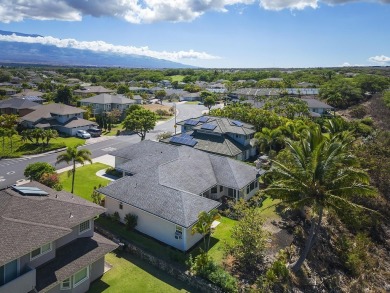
155	107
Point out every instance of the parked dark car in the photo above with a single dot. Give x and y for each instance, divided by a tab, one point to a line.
94	132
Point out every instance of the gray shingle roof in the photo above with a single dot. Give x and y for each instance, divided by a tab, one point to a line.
144	192
17	103
78	122
71	258
46	111
168	179
28	222
108	99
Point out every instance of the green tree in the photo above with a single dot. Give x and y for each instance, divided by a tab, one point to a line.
319	173
72	154
49	134
122	89
209	101
269	139
160	95
249	240
203	226
64	95
35	171
140	121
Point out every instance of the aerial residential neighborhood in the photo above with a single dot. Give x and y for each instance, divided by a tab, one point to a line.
194	146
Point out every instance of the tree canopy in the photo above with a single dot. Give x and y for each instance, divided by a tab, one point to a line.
140	121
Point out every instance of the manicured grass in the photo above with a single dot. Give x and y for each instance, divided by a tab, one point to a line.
192	102
129	274
20	148
113	131
268	209
221	237
178	78
85	180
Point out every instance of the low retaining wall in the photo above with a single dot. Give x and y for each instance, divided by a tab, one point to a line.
193	281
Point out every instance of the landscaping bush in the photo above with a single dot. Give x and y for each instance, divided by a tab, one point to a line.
204	266
162	112
115	217
131	221
113	172
358	112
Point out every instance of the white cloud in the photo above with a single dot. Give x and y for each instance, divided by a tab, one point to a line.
382	59
101	46
142	11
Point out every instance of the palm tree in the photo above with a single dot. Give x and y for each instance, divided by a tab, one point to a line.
269	139
72	154
320	174
203	226
49	134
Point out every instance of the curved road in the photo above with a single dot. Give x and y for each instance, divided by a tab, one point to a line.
11	170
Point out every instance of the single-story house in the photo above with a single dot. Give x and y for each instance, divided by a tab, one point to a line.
88	90
167	187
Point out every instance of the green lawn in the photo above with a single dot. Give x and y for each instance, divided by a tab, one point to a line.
192	102
220	238
85	180
20	148
130	274
178	78
268	209
113	131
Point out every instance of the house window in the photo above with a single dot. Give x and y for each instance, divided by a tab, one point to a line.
66	284
214	189
220	188
179	232
121	206
80	276
84	226
9	272
40	251
248	189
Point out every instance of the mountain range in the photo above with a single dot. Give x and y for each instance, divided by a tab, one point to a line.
40	54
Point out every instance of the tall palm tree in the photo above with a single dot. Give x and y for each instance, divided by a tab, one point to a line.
320	174
72	154
269	139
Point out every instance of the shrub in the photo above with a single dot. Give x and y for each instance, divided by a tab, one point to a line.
115	217
162	112
51	180
96	196
277	274
164	135
358	112
35	171
131	221
204	266
113	172
118	132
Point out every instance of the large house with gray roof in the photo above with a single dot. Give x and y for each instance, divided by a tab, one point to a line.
105	103
63	118
167	186
217	135
48	242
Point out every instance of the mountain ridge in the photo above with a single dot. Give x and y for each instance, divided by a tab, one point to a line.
34	53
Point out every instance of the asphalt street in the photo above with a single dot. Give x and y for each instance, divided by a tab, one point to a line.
11	170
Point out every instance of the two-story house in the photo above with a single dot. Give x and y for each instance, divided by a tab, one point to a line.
17	106
86	91
217	135
48	242
63	118
167	187
105	103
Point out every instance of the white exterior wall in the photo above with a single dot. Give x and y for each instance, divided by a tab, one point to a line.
153	226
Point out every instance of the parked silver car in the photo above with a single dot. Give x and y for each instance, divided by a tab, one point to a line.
83	134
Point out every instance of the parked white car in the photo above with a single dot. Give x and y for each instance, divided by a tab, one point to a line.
83	134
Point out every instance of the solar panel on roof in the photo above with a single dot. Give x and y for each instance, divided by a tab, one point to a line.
185	135
192	122
182	140
237	123
203	119
208	126
26	190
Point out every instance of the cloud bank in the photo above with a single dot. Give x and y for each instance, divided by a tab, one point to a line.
382	59
101	46
142	11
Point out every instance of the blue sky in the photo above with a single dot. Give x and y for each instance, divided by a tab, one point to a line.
214	33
